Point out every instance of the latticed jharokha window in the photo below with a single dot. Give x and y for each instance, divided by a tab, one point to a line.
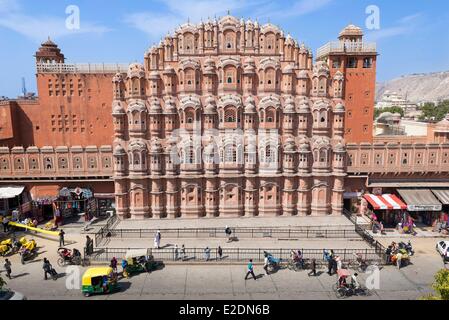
230	154
230	115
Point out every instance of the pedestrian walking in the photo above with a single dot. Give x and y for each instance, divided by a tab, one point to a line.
176	252
5	222
61	238
207	253
89	246
7	266
313	267
338	262
220	253
157	239
266	262
250	270
48	269
228	233
114	264
183	252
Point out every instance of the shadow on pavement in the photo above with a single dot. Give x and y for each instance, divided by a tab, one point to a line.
20	275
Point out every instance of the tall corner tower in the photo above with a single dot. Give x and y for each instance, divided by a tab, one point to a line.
356	60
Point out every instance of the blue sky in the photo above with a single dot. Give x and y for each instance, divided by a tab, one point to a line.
413	35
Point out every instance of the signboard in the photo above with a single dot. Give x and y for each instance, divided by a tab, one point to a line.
429	207
26	207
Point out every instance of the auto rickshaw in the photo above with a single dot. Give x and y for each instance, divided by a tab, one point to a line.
99	280
137	260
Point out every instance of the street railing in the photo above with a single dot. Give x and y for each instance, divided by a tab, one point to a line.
234	254
100	234
243	233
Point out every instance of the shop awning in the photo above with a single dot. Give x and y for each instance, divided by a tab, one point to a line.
420	200
385	202
10	192
442	195
44	192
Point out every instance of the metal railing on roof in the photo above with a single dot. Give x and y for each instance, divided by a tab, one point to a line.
82	68
346	47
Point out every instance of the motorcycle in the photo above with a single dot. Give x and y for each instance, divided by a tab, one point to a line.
28	251
408	247
6	246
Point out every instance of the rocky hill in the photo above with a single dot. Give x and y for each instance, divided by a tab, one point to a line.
427	87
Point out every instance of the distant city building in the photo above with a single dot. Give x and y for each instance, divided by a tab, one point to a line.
394	99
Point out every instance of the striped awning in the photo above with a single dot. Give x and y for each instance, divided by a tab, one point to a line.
385	202
420	200
442	195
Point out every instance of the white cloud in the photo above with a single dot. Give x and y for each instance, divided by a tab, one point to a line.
404	26
299	8
38	28
176	12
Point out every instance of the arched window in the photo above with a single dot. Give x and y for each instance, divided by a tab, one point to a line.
190	115
271	113
190	78
136	158
230	114
230	153
323	156
270	77
270	154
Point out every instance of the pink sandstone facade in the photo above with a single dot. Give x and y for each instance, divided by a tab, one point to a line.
223	119
229	119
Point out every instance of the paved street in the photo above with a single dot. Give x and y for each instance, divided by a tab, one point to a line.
226	282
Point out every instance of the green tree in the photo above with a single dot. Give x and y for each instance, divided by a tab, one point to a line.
393	109
441	286
432	112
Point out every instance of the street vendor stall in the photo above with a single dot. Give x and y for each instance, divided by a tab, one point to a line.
385	208
422	205
72	202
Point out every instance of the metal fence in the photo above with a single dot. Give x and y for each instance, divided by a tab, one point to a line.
243	233
233	254
100	234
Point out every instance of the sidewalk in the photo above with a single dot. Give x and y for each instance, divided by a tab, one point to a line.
327	222
420	233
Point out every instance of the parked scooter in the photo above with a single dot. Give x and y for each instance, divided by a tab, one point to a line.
408	247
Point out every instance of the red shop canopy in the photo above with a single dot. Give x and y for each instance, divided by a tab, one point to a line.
385	202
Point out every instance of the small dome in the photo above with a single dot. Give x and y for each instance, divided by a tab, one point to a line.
117	108
169	70
118	77
48	43
155	106
155	146
290	144
304	108
289	40
351	30
119	150
209	61
154	75
339	147
339	107
303	74
288	69
136	70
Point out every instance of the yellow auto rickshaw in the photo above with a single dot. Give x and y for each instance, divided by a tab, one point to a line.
99	280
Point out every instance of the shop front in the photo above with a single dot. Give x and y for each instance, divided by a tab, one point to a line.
385	208
422	205
15	202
